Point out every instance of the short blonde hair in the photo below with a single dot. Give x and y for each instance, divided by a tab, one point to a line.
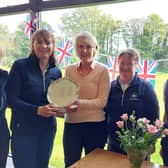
89	39
131	53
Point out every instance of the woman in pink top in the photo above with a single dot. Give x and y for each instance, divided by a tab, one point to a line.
85	126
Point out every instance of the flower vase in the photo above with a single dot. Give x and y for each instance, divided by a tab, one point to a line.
136	157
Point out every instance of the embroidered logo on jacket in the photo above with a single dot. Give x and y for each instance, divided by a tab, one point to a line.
134	96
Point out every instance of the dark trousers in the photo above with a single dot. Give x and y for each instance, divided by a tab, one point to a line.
32	151
4	148
164	144
89	135
4	142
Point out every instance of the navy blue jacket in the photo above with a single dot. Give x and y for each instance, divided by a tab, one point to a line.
139	97
4	132
26	90
164	141
166	97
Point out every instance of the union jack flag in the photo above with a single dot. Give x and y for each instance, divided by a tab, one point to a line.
31	24
64	51
147	70
112	64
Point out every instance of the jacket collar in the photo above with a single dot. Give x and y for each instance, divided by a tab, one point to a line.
92	65
135	81
34	59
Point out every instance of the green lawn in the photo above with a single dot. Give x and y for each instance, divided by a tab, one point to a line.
57	154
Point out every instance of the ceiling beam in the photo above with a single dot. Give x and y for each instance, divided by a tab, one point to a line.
61	4
35	5
39	5
14	9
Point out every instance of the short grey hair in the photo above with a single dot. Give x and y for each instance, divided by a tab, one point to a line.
89	39
131	53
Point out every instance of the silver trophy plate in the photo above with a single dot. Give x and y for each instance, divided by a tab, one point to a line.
62	92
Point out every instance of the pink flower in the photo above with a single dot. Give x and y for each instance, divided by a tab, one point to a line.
158	123
120	124
124	117
152	129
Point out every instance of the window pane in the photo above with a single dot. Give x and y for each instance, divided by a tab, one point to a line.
8	20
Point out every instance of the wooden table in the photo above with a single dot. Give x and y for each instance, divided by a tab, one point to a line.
100	158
